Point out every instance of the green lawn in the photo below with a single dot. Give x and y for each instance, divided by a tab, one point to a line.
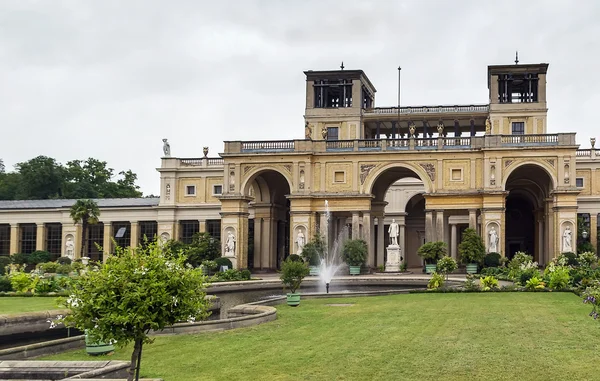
14	304
479	336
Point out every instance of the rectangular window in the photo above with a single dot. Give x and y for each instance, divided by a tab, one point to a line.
188	229
190	190
122	233
217	190
579	182
148	232
332	133
28	238
213	227
95	239
54	239
5	239
518	128
333	93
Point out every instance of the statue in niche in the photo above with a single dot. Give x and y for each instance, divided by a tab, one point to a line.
567	245
300	241
494	239
393	231
166	148
70	248
230	245
324	132
488	126
307	131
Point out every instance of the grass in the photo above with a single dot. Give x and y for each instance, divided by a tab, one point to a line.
10	305
478	336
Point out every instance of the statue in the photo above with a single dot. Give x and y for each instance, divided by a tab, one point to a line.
166	148
488	126
70	248
493	246
300	242
230	244
205	151
324	132
393	231
307	131
567	240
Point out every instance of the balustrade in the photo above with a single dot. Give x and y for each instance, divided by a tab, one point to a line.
268	145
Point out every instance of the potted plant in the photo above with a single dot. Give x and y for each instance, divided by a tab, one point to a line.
312	253
446	265
292	274
471	250
355	254
431	252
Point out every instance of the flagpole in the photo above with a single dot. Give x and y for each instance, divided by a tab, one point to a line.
399	131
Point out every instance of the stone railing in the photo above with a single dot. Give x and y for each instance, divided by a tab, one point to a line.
427	109
201	162
589	153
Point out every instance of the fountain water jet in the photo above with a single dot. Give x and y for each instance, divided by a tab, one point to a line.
331	259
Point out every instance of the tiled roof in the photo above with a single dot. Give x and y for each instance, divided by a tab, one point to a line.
67	203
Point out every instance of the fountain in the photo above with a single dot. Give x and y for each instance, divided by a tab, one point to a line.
330	260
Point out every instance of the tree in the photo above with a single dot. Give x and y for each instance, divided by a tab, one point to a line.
2	167
135	292
203	247
471	248
86	212
92	179
41	178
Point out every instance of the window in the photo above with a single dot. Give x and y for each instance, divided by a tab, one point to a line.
5	239
579	182
54	239
339	177
148	232
213	227
518	128
28	238
95	239
188	229
518	88
122	233
217	190
190	190
333	93
332	133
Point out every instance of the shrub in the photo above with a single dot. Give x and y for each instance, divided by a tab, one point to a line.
77	265
491	271
431	252
5	284
64	260
471	248
535	283
446	265
567	259
292	274
470	284
223	261
587	259
559	278
22	282
488	283
4	262
48	267
232	275
436	281
19	259
64	282
355	252
314	250
209	265
44	286
64	269
39	256
492	260
295	258
246	274
202	247
528	273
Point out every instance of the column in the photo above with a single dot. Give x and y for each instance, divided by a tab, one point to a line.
107	241
439	224
453	241
14	238
473	218
258	222
135	234
40	237
402	241
429	234
202	226
543	257
594	230
355	225
380	240
367	229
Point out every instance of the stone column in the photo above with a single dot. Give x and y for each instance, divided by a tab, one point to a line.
14	239
429	233
542	255
439	224
453	241
355	225
367	226
402	242
40	237
135	234
202	226
380	240
473	218
594	230
258	224
107	241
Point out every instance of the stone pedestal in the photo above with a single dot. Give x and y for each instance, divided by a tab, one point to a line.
393	259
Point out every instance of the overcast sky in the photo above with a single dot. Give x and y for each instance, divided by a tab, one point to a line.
110	79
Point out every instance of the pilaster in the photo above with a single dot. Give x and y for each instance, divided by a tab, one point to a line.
107	241
135	234
40	237
429	233
14	238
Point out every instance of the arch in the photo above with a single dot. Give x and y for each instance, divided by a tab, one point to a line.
514	166
256	172
419	172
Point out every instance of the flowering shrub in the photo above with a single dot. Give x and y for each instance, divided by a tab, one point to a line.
559	278
446	265
591	296
587	259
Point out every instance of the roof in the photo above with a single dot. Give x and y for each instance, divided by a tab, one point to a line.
67	203
312	75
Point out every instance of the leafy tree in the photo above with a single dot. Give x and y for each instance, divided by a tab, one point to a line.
471	249
92	179
431	252
355	252
2	167
9	185
314	250
86	212
203	247
41	178
135	292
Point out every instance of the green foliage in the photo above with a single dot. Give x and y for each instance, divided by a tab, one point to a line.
22	282
559	278
355	252
77	265
534	283
492	260
40	178
209	265
87	212
446	265
48	267
526	274
587	259
64	269
39	256
5	284
471	248
436	281
202	248
496	271
567	259
292	274
314	250
470	284
4	262
223	261
488	283
232	275
64	260
133	293
295	257
46	285
431	252
19	259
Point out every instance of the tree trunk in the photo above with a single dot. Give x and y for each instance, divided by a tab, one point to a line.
135	358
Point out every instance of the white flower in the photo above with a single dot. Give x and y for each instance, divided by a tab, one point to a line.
191	319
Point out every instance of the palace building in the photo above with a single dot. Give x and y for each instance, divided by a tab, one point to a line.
435	170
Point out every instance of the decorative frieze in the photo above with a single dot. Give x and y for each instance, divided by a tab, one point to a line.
429	169
364	171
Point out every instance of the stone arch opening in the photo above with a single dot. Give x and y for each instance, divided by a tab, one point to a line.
269	219
527	208
415	229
